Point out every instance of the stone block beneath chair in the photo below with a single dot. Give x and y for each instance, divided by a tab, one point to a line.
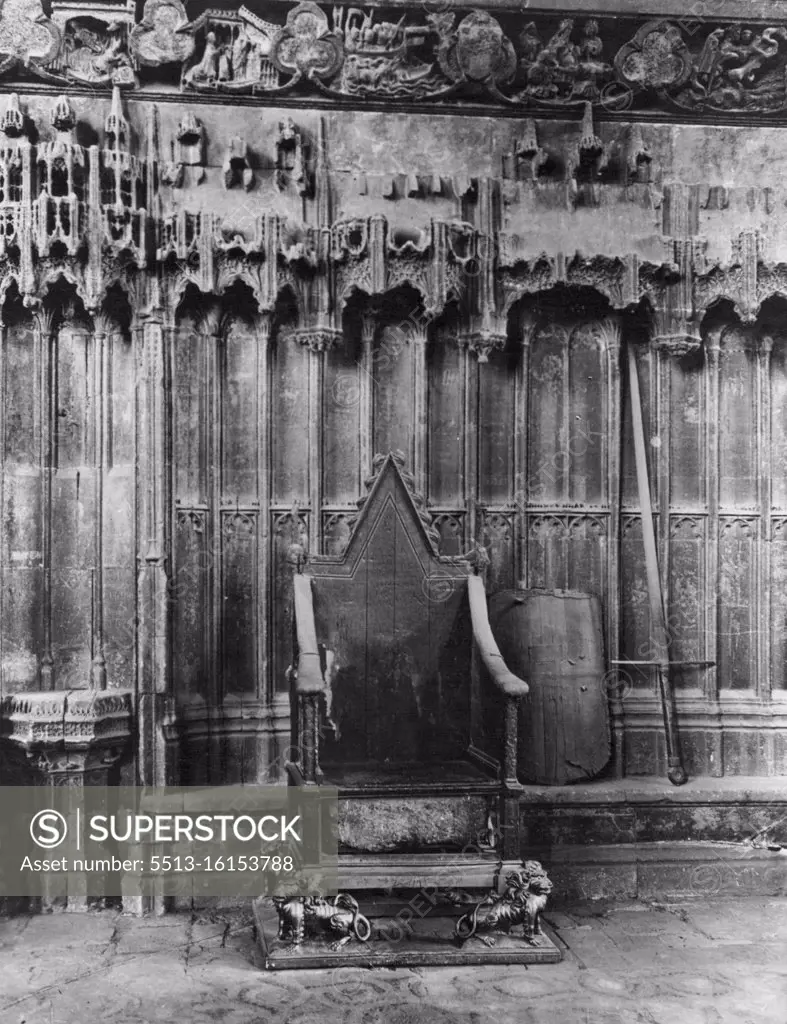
387	824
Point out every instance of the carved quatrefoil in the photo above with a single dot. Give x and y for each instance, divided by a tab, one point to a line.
305	46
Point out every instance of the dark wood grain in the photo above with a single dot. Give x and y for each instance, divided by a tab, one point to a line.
391	616
554	641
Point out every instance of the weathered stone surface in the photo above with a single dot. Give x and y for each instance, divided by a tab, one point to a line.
600	979
168	935
651	810
663	871
215	439
386	825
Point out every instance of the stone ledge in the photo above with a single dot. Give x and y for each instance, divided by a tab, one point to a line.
755	10
662	871
648	810
652	789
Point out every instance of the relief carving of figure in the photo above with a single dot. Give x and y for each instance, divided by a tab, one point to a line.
530	45
382	57
235	56
207	68
591	50
562	69
97	55
225	64
738	69
241	47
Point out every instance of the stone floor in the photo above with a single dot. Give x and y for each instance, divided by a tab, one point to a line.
708	962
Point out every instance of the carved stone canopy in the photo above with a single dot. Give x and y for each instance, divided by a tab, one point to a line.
104	205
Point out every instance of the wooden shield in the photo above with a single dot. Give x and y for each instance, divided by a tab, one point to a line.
553	639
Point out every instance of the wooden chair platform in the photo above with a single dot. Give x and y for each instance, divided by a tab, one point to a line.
412	777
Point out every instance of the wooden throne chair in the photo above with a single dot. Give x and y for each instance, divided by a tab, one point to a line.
402	701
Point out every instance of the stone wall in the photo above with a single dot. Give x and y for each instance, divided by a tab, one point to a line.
218	310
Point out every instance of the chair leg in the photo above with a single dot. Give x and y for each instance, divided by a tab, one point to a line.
511	742
510	828
310	738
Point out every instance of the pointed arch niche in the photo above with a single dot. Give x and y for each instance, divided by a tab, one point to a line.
68	494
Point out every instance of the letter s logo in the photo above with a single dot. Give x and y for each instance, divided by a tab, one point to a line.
48	829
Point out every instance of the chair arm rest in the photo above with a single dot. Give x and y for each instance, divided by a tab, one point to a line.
309	677
504	678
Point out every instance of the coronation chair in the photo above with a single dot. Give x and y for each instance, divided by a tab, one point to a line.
402	701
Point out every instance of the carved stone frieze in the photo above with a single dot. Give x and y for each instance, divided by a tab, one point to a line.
386	58
565	67
477	50
306	46
657	58
734	67
232	53
493	58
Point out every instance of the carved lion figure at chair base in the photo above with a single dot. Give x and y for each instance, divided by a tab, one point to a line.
302	917
521	903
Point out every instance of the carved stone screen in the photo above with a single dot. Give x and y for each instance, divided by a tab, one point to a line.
216	311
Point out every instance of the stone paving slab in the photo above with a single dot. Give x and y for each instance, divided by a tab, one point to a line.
166	935
624	964
65	930
761	917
